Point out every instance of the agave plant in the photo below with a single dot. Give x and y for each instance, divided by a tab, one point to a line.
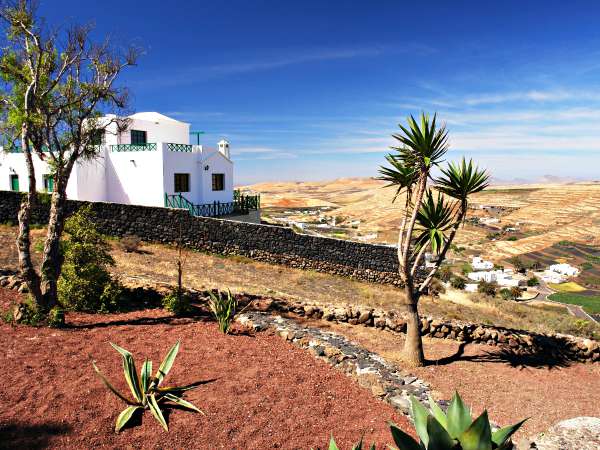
454	430
224	309
146	389
357	446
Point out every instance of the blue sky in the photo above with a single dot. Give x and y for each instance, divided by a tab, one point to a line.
313	89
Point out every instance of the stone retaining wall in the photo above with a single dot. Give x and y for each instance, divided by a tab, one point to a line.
273	244
550	349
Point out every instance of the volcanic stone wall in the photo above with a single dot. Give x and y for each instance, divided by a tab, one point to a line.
279	245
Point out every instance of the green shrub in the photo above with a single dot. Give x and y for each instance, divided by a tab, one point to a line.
176	303
56	317
511	238
587	266
85	283
533	281
505	294
466	269
27	313
224	309
458	283
147	390
487	288
454	430
444	273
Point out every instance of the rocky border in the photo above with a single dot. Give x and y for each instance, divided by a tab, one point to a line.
559	347
383	379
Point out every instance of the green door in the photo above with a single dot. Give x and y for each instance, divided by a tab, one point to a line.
14	183
48	183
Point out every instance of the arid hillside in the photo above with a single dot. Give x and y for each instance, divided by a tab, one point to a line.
537	216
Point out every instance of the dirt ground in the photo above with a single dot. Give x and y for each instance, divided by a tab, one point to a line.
262	392
510	387
205	271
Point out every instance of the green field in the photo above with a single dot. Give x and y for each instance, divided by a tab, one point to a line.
590	303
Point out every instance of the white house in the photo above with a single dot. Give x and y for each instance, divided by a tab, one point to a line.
477	263
564	269
504	278
147	163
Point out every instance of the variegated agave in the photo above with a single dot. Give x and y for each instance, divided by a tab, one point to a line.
454	430
146	389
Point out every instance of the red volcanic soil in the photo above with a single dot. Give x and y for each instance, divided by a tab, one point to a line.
265	392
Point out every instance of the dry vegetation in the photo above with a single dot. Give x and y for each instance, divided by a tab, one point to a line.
204	271
547	213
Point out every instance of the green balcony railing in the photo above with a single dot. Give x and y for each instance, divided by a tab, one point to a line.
133	147
241	205
179	147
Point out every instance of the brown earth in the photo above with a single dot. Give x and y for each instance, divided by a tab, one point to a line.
264	393
510	387
548	213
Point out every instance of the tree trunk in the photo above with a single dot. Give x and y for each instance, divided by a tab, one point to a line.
413	345
28	272
52	260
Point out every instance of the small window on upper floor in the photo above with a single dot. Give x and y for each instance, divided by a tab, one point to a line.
218	181
138	137
182	182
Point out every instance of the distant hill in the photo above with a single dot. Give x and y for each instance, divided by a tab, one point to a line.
548	210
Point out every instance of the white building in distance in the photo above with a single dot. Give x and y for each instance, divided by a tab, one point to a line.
504	278
477	263
147	163
564	269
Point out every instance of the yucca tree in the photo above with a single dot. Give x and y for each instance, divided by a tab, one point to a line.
429	221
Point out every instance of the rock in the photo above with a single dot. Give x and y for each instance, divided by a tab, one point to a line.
364	316
400	402
579	433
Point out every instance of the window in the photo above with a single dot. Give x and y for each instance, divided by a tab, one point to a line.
182	182
48	183
97	136
138	137
218	181
14	182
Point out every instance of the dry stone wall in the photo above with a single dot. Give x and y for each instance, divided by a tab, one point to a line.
273	244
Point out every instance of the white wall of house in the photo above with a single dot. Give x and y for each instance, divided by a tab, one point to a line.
134	177
138	177
14	164
158	128
217	163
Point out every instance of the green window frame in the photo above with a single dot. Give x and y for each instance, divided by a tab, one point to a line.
181	182
218	181
138	137
48	183
14	182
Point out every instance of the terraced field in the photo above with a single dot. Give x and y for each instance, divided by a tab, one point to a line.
546	214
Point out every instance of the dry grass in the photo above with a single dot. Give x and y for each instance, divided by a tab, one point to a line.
548	213
241	274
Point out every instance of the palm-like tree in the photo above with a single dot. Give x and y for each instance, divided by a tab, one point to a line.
429	222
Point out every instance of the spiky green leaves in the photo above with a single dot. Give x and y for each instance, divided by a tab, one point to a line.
462	180
435	217
224	309
453	430
423	144
147	392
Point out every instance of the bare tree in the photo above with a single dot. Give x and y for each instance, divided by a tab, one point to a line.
58	88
